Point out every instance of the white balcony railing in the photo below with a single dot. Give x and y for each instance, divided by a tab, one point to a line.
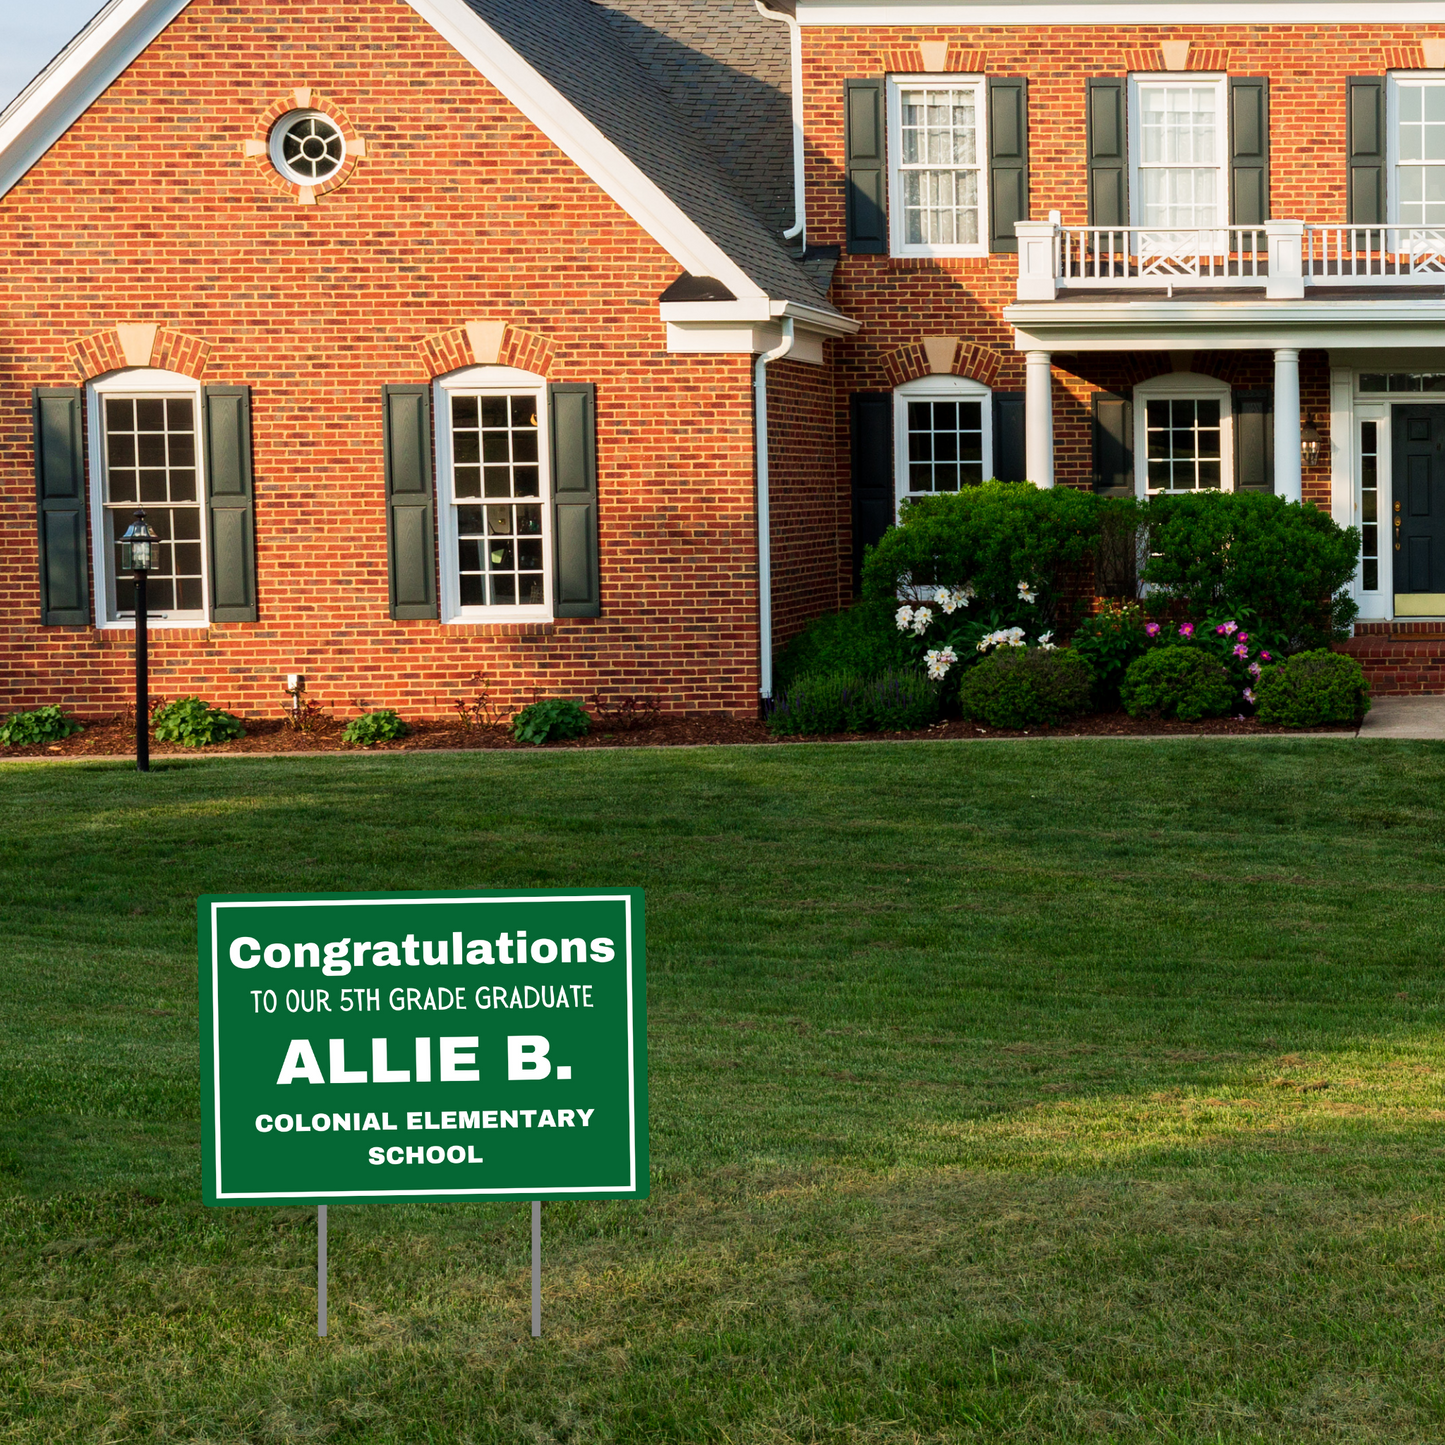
1281	257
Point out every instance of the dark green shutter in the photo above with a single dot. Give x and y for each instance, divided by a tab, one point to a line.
1365	188
410	525
1248	150
231	499
60	507
866	155
1009	464
872	470
1113	444
1254	440
1108	141
576	577
1008	159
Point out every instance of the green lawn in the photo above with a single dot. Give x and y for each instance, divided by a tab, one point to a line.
1000	1092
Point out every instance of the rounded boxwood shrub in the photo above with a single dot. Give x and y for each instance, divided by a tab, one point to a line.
1313	688
1019	687
194	723
381	726
1182	682
554	719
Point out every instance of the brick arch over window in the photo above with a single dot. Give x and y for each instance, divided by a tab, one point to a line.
487	343
140	343
942	356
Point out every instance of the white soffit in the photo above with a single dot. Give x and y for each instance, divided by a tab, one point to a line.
1121	12
76	79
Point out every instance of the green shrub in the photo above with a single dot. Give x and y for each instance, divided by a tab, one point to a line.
43	725
194	723
900	700
1312	688
863	639
1285	567
1109	642
381	726
989	543
552	720
828	702
1019	687
1183	682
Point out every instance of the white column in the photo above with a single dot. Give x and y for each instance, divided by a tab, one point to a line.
1287	480
1039	419
1038	259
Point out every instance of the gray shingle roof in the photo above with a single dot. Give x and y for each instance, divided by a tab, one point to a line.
581	49
727	69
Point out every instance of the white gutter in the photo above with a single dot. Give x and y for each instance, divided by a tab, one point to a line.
765	539
795	46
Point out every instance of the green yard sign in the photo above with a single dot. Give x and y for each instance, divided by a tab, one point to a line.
423	1046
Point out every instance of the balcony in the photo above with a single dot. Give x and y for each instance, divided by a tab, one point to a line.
1279	258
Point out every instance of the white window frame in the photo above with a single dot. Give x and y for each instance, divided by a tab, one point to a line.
1393	81
896	85
1182	386
488	381
935	388
147	382
1174	79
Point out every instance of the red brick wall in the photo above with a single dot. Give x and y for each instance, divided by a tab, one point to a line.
901	299
148	211
811	504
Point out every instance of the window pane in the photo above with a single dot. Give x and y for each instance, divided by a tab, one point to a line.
490	555
945	445
940	138
150	451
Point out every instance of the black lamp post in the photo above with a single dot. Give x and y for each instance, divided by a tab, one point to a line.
137	555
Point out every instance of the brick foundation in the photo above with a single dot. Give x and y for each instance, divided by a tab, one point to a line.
1399	658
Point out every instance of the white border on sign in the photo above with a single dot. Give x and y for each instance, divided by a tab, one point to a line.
624	898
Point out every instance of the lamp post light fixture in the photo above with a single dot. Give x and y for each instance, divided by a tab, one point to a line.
1310	442
138	556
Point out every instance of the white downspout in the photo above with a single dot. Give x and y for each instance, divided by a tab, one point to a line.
765	539
795	44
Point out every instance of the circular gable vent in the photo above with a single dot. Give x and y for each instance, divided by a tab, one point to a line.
307	147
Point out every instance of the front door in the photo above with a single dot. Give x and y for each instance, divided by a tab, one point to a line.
1418	510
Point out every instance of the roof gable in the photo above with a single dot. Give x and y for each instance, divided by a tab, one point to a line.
558	61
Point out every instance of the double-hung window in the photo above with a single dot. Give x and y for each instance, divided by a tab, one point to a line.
495	514
146	431
1180	142
1184	430
1417	140
938	176
944	431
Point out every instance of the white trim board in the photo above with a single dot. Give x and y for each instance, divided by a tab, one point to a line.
75	80
859	13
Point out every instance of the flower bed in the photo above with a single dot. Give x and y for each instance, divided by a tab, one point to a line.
116	737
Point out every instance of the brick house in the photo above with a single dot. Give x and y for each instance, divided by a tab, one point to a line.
585	343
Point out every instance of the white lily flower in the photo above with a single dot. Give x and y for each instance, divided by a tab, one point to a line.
903	617
921	618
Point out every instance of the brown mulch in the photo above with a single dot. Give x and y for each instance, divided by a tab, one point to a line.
116	736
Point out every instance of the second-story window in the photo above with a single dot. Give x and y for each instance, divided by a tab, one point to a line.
1419	146
937	176
1179	141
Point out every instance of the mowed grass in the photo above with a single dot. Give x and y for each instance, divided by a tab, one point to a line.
1000	1092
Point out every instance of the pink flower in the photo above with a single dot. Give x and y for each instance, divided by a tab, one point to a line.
1240	650
1249	694
1186	629
1220	629
1152	628
1255	669
1265	657
1229	628
1244	637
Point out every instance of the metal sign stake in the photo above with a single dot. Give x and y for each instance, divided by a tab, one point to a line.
321	1271
536	1269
